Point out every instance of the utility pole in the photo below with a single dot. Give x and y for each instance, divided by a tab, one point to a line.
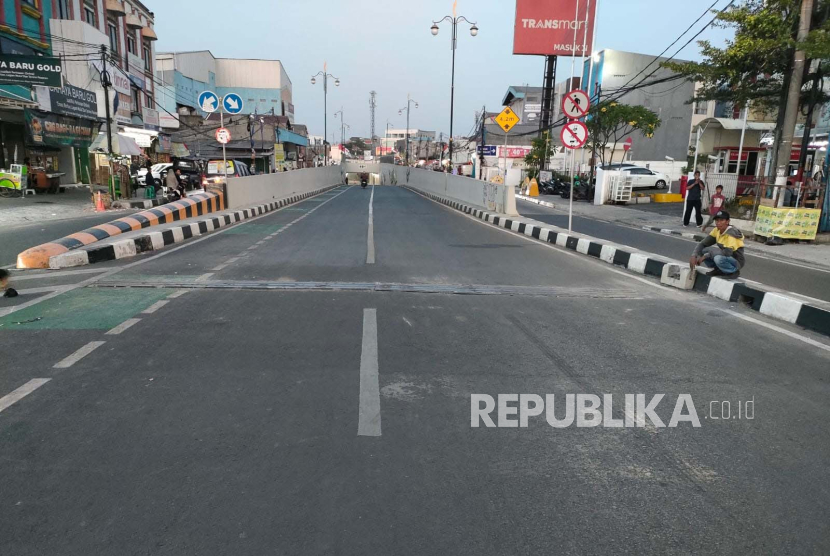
372	105
793	97
105	83
483	142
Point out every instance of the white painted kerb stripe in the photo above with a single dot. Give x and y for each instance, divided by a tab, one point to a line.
368	422
13	397
78	355
370	242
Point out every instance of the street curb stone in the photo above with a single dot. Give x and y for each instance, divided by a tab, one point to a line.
806	312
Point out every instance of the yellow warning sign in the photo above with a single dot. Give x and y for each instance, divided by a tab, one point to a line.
498	180
507	119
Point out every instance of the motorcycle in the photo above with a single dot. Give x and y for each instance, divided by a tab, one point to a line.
582	190
364	180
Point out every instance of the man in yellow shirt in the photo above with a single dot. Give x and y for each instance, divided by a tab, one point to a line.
722	250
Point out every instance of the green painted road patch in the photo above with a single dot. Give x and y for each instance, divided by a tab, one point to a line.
84	309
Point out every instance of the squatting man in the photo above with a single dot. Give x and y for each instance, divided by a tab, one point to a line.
722	250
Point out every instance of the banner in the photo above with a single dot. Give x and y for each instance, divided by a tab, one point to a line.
30	70
43	128
68	101
548	27
787	223
513	152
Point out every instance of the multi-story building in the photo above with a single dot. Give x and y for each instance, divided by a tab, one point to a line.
24	30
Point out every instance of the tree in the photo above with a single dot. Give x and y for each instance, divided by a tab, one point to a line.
540	151
756	65
610	122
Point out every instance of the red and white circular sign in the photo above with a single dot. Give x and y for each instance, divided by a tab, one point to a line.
576	104
223	135
574	135
628	144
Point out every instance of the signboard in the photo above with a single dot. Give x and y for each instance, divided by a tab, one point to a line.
54	130
68	101
787	223
120	81
208	102
30	70
122	108
532	108
279	152
223	135
232	103
574	135
545	175
151	119
164	144
546	27
487	150
575	104
513	152
507	119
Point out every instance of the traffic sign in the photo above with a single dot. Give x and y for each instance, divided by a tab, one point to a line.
574	135
232	103
576	104
507	119
628	144
223	135
208	102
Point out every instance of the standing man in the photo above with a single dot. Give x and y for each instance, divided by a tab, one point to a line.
722	250
694	196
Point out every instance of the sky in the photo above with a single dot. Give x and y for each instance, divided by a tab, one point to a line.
386	46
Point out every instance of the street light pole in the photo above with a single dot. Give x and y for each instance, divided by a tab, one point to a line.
409	101
325	105
453	44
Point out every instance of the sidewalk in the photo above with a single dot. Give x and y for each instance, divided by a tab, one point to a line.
74	202
815	254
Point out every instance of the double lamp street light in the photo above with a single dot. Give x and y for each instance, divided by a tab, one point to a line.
473	31
326	77
409	102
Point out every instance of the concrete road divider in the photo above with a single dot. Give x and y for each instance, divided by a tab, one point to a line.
155	240
268	188
197	205
793	308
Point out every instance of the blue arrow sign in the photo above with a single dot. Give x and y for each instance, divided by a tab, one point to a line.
208	102
232	103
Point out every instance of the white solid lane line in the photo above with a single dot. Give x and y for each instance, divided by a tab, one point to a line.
78	355
368	421
177	293
123	326
13	397
370	244
155	307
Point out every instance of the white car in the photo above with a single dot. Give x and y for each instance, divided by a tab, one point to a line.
645	178
158	171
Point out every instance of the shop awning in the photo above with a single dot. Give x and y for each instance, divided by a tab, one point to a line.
285	136
122	145
731	124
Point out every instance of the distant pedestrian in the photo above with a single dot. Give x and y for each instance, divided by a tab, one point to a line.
715	204
694	196
4	284
722	250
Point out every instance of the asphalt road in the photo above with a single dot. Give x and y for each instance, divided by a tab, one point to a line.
269	389
17	238
789	276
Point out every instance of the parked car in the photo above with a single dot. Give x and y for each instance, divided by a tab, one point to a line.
215	174
620	166
645	178
158	171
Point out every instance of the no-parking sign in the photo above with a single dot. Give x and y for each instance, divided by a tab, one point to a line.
574	135
223	135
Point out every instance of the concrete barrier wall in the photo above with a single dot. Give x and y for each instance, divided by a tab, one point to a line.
265	188
480	194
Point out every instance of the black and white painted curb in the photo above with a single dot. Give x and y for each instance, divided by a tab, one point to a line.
153	241
697	237
141	203
535	201
808	313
